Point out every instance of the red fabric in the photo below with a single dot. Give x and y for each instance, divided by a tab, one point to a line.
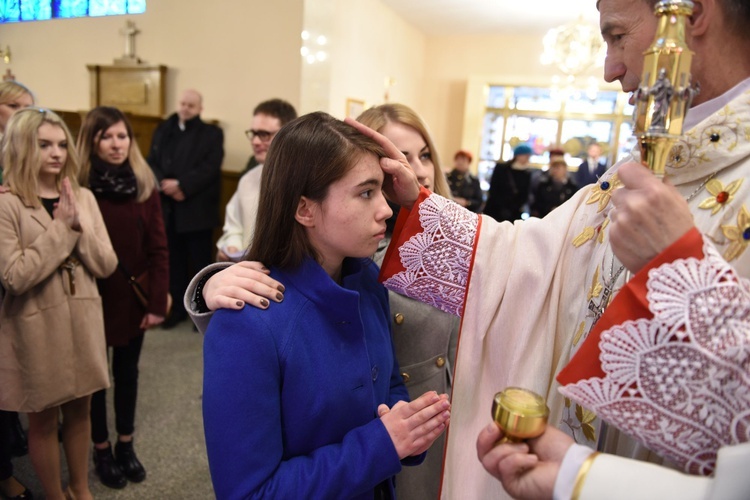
406	227
138	238
629	304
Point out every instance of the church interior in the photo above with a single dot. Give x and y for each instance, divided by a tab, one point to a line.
441	58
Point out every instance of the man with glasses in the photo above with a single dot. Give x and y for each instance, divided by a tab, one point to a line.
239	220
186	155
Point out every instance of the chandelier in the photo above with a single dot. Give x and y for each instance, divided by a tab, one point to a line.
573	48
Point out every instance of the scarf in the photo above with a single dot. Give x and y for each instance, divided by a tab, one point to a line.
114	182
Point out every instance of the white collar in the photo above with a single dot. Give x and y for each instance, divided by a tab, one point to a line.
702	111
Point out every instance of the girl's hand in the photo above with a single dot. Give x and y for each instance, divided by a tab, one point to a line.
414	426
67	208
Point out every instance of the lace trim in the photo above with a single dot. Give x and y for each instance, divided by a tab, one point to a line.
680	382
437	260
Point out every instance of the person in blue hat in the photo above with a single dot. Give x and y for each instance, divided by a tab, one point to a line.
510	186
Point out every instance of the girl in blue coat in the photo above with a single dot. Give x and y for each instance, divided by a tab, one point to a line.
305	400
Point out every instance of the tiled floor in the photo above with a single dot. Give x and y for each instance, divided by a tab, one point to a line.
169	427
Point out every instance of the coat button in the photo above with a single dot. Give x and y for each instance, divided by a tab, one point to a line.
440	362
399	318
374	373
406	377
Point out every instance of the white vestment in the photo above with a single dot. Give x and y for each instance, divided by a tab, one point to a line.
241	211
528	290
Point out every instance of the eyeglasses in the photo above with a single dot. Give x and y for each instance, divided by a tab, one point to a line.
263	135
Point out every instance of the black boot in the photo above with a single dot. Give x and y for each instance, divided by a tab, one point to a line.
128	462
107	469
18	441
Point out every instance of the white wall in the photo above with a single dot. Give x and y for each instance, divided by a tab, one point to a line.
240	52
236	52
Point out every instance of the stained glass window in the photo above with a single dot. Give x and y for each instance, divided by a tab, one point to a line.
35	10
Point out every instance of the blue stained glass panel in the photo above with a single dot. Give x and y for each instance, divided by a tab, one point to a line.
36	10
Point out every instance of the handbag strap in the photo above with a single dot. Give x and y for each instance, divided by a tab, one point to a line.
131	278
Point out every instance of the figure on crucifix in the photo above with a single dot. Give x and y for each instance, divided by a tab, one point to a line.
129	32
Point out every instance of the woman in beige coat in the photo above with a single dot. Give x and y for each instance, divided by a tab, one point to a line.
53	244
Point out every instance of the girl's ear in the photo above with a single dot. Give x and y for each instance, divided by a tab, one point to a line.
306	210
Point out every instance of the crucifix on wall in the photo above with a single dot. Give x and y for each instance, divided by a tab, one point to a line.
129	32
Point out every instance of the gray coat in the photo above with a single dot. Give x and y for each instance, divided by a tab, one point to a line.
425	341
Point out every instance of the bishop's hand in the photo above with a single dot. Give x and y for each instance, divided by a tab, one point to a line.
649	215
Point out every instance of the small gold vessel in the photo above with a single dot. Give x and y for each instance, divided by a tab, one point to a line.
520	414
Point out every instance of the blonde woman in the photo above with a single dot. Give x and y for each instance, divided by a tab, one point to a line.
53	244
13	96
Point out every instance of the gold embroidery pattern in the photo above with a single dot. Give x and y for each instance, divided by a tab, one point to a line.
581	421
720	195
602	192
587	234
600	239
700	146
739	235
579	333
596	287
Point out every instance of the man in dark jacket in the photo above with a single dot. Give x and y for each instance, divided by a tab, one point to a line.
186	156
510	186
592	167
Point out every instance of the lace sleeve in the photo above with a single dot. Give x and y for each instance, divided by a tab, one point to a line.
680	382
437	259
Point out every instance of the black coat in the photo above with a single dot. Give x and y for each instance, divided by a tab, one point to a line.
509	192
466	186
549	195
193	157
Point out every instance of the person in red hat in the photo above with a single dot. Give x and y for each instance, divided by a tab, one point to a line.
464	185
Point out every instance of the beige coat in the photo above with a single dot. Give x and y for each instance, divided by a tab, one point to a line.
52	347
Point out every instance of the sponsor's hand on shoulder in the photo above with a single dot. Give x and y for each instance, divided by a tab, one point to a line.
246	282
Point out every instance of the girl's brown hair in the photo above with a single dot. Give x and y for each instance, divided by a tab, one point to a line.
305	158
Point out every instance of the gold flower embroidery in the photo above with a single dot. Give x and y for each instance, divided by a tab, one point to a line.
585	417
739	235
600	239
602	192
587	234
679	156
596	287
719	194
579	333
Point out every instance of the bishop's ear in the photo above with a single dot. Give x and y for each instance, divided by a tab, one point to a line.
703	11
306	211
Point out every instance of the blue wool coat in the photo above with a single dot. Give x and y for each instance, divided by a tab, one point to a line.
291	393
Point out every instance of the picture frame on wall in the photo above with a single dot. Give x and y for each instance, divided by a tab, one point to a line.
354	108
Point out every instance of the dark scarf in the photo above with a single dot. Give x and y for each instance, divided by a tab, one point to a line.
113	182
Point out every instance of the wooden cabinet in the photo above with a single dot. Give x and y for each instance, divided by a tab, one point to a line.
137	89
